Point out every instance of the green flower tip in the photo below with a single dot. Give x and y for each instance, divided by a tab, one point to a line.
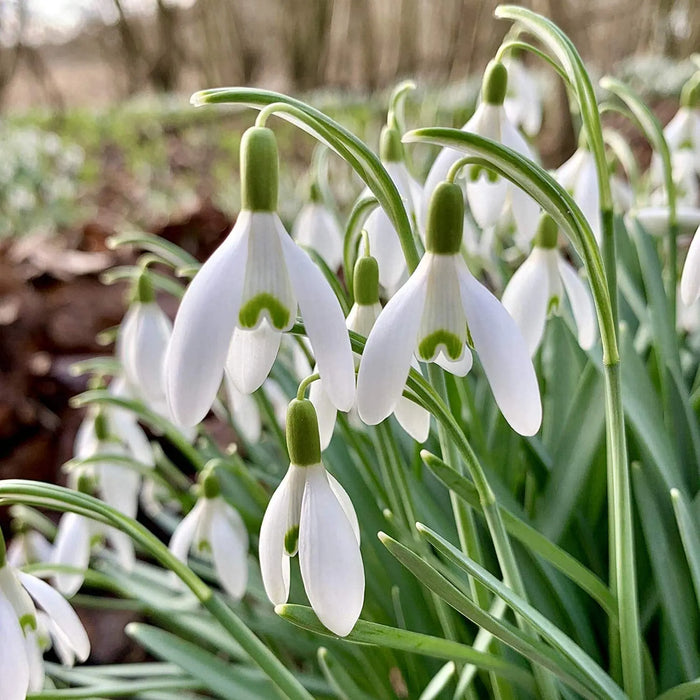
390	146
495	85
85	484
143	289
547	232
315	194
101	429
211	487
303	441
259	170
366	281
690	94
445	220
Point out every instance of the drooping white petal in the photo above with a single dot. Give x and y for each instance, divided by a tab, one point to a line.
14	666
655	219
504	356
690	278
317	228
35	658
345	503
28	548
229	545
587	195
71	548
386	359
329	556
385	246
325	412
56	607
123	547
244	412
124	426
278	400
85	441
523	103
581	304
194	362
526	298
183	535
362	318
282	514
414	419
486	199
324	322
118	485
251	356
567	173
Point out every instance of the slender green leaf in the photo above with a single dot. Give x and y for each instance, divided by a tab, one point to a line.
690	536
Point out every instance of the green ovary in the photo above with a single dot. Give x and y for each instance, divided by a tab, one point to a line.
250	312
428	347
291	539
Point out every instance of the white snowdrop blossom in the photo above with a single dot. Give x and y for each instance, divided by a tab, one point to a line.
23	645
683	131
433	315
310	513
383	238
487	194
141	344
690	279
246	295
28	547
579	177
523	102
414	419
655	220
214	531
245	412
316	227
538	286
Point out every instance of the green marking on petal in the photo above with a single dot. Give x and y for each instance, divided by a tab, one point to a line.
26	621
428	347
278	313
204	546
291	540
553	305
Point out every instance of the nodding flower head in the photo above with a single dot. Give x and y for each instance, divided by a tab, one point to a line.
310	513
246	295
433	315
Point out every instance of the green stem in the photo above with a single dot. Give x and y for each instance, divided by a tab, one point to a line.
305	383
57	497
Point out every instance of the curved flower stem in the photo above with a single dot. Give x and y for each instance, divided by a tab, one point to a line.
305	383
353	230
59	498
517	45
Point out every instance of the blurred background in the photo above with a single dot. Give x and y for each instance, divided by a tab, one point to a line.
97	137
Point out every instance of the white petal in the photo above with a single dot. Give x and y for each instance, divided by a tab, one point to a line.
14	666
586	194
329	556
123	424
486	199
244	412
251	356
385	246
71	548
690	279
316	227
581	304
325	412
123	547
414	419
655	219
118	485
460	367
324	322
278	400
567	173
526	298
56	607
35	657
386	359
504	356
183	535
345	503
85	442
194	362
145	335
274	562
229	544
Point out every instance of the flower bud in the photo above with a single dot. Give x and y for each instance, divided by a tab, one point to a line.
259	170
143	289
547	232
303	441
495	83
366	281
445	220
210	484
101	429
390	146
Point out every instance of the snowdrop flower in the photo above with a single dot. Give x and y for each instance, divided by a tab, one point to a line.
690	279
22	647
537	288
433	315
383	238
243	298
214	531
245	412
414	419
28	547
683	131
141	344
487	194
655	219
523	102
316	227
75	539
311	513
579	177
